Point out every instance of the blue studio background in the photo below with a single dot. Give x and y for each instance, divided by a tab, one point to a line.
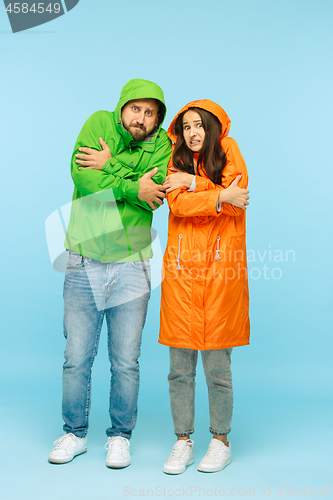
269	64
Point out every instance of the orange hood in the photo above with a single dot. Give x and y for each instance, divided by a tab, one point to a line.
208	105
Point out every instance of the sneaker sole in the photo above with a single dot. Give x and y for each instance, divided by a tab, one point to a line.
118	466
65	460
190	462
202	468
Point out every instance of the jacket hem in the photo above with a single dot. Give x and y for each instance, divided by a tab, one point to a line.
148	254
207	347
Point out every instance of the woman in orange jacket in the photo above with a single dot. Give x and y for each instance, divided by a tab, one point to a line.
205	298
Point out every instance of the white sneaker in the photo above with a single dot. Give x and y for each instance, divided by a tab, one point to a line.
181	456
217	457
67	447
118	452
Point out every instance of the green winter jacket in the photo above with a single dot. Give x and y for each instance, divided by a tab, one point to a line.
108	222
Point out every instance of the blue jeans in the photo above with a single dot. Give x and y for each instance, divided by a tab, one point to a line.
181	378
119	291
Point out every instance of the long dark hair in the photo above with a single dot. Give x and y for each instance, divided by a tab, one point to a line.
212	157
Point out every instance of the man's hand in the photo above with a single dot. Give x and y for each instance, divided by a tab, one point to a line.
178	180
149	191
94	159
235	195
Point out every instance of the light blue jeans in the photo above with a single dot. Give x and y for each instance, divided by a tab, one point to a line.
216	363
119	291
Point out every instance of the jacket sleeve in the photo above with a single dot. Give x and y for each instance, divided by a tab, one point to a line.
200	202
160	159
115	180
183	203
203	200
235	165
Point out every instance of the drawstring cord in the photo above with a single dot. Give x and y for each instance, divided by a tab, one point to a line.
178	258
217	254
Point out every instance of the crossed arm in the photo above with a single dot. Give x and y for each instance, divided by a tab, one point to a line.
95	170
204	199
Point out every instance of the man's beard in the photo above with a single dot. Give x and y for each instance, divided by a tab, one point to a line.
138	133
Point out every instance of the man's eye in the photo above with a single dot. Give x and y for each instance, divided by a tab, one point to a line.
135	108
149	113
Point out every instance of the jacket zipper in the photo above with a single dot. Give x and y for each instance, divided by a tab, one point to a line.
178	258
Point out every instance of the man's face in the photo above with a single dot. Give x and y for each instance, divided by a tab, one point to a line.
140	117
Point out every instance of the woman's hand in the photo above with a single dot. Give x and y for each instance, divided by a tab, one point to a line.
94	159
235	195
177	180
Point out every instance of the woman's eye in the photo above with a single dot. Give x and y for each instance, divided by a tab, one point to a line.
199	124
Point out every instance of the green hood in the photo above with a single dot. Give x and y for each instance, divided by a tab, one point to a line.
140	89
108	220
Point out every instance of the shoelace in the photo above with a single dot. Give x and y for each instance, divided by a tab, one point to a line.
179	452
219	453
209	451
65	442
118	444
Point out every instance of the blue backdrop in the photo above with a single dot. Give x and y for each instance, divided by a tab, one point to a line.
269	64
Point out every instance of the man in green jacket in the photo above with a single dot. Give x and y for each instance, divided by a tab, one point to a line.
118	167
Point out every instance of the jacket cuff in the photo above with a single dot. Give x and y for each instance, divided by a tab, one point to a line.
193	184
110	163
132	189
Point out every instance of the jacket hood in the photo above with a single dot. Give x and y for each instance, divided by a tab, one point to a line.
208	105
140	89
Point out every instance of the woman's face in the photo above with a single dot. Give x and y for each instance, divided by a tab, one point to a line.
193	131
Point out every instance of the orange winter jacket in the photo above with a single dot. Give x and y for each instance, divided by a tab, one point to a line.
205	298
